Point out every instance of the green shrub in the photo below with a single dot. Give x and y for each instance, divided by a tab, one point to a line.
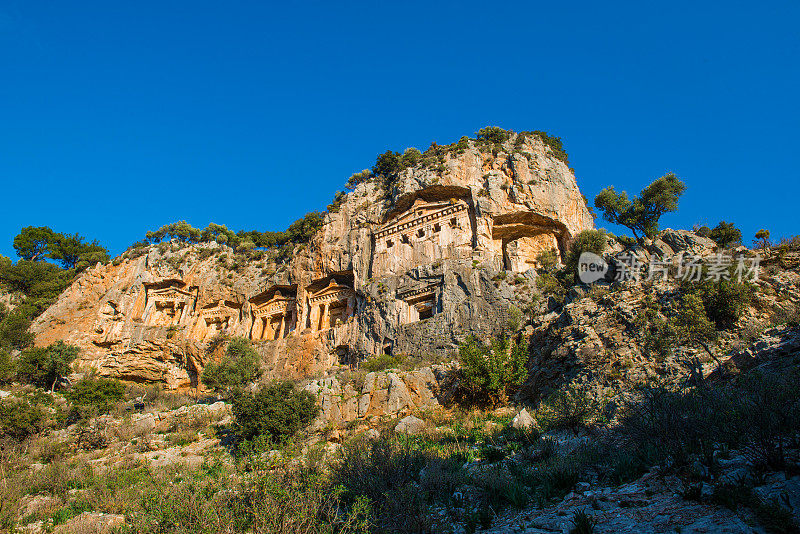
493	373
19	418
571	408
275	413
593	241
8	368
547	260
725	234
358	178
99	393
44	366
236	369
388	164
493	135
381	362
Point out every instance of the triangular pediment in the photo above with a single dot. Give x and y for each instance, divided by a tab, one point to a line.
420	208
333	287
170	292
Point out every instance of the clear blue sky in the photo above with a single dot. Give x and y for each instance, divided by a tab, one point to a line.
119	117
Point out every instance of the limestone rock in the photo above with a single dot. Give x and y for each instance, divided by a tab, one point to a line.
409	272
410	425
524	421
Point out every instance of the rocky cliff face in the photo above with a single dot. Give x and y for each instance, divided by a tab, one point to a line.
411	270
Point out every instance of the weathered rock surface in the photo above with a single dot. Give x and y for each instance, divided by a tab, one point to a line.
410	425
383	394
405	271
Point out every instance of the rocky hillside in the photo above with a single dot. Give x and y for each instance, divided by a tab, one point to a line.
399	267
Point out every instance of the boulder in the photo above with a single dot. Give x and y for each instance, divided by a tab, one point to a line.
410	425
524	421
686	241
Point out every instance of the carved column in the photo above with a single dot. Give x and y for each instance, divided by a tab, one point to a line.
325	319
282	327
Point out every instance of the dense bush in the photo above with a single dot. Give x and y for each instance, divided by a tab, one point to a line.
98	393
493	373
19	418
237	368
44	366
571	408
38	283
274	414
724	301
725	234
493	134
381	362
8	367
299	232
388	473
388	163
760	412
586	241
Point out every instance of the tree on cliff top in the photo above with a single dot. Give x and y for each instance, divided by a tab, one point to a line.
35	243
641	214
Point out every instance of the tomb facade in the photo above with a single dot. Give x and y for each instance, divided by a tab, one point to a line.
274	313
421	301
329	306
168	304
423	233
220	317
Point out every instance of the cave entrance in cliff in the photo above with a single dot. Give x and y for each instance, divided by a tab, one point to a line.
522	237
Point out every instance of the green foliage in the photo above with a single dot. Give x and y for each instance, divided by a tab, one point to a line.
726	234
14	330
38	282
702	231
547	260
37	243
762	238
493	135
381	362
99	393
658	333
724	301
411	157
8	367
571	408
274	414
44	366
19	418
358	178
586	241
338	198
493	373
299	232
641	214
388	164
238	368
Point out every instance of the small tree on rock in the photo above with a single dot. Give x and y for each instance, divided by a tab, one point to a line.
641	214
726	234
